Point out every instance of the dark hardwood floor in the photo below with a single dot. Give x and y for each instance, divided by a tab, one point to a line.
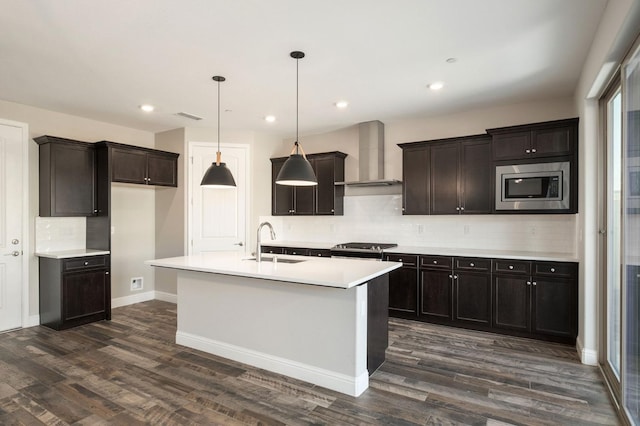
129	371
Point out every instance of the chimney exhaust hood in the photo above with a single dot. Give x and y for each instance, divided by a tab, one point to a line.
371	156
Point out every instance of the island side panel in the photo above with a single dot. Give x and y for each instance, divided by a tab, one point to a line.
316	334
378	321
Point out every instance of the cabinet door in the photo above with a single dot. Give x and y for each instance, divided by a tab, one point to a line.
415	180
162	170
472	297
552	142
303	200
281	195
436	294
128	166
444	167
509	146
84	294
73	181
554	309
511	301
326	190
403	292
476	182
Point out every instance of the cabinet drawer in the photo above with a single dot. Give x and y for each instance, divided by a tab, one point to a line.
555	269
406	259
296	251
512	266
473	263
84	263
320	252
438	262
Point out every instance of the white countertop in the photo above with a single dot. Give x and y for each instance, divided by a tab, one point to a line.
65	254
327	272
495	254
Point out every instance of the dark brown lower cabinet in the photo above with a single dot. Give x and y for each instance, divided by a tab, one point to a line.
403	286
518	297
472	298
74	291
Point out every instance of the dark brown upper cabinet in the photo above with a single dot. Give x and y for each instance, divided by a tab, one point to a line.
530	141
144	166
67	177
448	176
326	198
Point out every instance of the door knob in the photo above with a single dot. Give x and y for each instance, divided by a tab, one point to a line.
13	253
239	244
15	241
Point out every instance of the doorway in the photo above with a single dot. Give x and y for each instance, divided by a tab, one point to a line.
217	217
14	291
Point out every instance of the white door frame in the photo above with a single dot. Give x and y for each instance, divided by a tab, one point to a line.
26	237
213	145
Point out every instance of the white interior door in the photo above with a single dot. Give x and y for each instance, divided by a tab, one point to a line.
12	191
218	217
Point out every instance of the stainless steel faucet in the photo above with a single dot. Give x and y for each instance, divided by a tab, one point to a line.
258	248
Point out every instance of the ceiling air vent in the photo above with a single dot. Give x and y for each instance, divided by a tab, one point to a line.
187	115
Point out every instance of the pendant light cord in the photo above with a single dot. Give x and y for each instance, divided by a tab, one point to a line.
218	152
297	102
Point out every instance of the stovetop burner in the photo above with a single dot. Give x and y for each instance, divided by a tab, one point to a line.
364	246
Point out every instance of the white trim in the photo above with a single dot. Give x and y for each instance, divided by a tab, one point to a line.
166	297
32	321
587	356
143	297
338	382
133	298
26	236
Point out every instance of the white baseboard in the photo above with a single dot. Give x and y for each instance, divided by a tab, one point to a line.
339	382
131	299
587	356
143	297
166	297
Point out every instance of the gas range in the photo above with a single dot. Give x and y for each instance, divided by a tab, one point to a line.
361	250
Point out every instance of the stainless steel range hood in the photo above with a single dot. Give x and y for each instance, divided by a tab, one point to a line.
371	156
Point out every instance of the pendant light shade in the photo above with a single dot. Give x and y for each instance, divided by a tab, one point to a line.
218	175
297	170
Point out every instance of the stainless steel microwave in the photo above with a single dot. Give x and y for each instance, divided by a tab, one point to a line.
541	186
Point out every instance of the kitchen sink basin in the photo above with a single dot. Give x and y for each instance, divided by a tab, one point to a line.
280	259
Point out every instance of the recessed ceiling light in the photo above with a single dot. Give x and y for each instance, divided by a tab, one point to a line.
270	118
147	108
342	104
436	85
451	60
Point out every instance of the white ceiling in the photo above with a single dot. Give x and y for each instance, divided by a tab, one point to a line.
102	59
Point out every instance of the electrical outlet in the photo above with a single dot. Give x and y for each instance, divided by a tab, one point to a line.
466	230
420	229
137	284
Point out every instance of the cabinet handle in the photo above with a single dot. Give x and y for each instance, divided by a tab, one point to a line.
528	282
510	266
533	150
528	151
435	262
332	211
472	264
534	283
450	276
399	260
86	263
455	277
462	208
553	269
458	208
106	273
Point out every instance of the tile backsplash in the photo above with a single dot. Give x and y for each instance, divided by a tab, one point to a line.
378	218
60	233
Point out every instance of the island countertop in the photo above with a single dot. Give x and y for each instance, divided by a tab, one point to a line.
327	272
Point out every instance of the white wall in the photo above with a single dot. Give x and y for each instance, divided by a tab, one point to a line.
128	214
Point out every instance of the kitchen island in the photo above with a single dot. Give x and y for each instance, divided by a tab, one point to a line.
321	320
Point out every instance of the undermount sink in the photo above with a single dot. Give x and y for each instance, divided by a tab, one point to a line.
280	259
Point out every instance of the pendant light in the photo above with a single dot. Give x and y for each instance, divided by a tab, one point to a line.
297	170
218	175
